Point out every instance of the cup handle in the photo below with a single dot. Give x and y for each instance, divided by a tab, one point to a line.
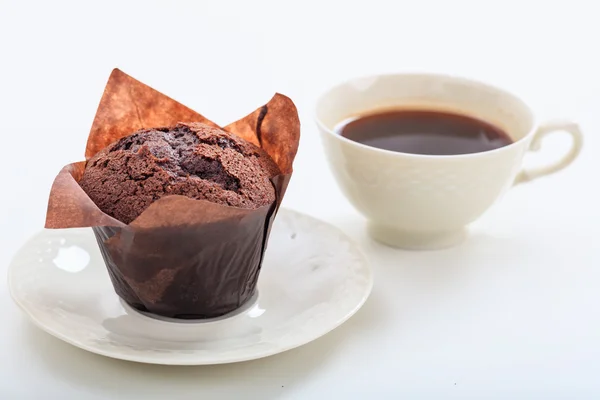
571	128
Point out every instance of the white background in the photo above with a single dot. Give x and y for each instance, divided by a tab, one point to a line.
512	313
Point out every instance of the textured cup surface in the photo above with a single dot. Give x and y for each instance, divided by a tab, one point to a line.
421	201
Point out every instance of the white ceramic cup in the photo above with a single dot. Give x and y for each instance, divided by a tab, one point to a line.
425	202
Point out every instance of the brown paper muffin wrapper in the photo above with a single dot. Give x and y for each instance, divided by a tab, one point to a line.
181	258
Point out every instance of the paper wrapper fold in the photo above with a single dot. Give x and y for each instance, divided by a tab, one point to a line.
181	257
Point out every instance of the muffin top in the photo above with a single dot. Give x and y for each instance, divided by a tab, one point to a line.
193	160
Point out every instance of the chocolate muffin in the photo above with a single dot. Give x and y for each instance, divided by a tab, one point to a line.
193	160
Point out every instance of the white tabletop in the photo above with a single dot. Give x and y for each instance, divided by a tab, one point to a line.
512	313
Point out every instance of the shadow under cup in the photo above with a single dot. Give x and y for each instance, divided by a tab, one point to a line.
422	201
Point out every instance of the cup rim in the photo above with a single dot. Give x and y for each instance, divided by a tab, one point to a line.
454	77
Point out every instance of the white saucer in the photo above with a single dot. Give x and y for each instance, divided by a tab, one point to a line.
313	279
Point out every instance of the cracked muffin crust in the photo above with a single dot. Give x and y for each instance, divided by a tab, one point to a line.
193	160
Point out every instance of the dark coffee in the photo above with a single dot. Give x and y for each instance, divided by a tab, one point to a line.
424	132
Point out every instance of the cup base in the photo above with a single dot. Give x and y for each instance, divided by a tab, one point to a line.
415	240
